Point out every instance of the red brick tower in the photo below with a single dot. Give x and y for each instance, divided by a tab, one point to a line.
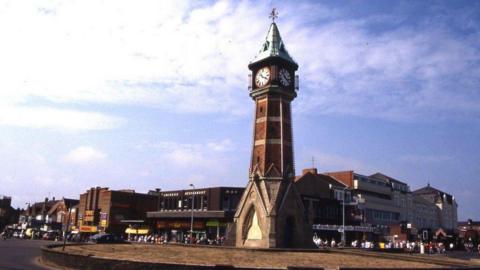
270	213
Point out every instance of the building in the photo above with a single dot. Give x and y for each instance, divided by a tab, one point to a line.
425	214
35	216
212	209
271	213
58	215
323	197
8	215
469	232
386	201
104	210
434	210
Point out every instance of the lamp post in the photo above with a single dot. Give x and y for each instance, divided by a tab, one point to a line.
343	214
66	228
191	217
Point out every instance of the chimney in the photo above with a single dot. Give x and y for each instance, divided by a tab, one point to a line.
310	170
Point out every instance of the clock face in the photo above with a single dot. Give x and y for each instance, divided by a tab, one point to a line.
262	77
285	78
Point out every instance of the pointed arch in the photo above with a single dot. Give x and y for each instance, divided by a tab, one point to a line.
251	227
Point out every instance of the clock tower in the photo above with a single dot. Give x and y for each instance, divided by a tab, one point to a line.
270	213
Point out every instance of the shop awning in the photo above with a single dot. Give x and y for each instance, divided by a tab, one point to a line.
137	231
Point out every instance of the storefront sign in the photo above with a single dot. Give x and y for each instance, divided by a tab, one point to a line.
90	229
198	225
327	227
89	216
103	219
215	223
137	231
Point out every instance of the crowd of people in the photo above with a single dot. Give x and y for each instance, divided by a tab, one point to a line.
428	247
162	239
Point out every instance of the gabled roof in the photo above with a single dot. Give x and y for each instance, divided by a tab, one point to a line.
439	195
68	203
382	176
273	47
321	177
430	190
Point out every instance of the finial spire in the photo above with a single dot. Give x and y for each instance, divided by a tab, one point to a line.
273	15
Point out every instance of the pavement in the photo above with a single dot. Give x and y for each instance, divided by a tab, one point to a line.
16	254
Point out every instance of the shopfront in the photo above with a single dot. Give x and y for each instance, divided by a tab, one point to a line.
211	209
177	230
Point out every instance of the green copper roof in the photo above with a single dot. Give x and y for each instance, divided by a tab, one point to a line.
273	47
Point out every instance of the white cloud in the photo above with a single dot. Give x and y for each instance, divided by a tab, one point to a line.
85	154
187	57
156	53
210	161
410	73
63	119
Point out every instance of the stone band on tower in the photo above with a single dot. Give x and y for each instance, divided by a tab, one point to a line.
271	213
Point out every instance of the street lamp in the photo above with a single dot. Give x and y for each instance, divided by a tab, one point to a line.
343	214
191	217
66	228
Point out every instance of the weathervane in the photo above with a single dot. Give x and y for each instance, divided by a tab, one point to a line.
273	14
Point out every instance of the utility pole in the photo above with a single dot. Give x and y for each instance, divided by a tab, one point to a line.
343	219
191	218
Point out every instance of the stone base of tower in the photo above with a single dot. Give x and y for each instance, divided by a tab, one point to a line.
271	217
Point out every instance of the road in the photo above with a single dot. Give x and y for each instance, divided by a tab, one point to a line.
16	254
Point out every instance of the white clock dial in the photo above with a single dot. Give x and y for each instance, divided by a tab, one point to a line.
285	78
262	77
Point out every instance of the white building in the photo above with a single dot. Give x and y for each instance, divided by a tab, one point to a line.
434	209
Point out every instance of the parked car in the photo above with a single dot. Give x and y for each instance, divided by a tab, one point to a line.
51	235
105	238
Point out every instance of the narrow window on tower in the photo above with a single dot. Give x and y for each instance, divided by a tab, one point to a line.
258	160
261	109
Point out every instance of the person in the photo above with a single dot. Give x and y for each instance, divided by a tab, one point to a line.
333	243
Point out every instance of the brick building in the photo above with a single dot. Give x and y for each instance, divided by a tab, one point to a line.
103	210
469	231
322	197
59	213
213	210
387	201
8	215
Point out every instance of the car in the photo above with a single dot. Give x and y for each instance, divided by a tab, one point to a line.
105	238
50	235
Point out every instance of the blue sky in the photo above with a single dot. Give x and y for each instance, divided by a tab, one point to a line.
151	94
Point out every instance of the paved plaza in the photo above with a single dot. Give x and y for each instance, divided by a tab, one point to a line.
265	258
